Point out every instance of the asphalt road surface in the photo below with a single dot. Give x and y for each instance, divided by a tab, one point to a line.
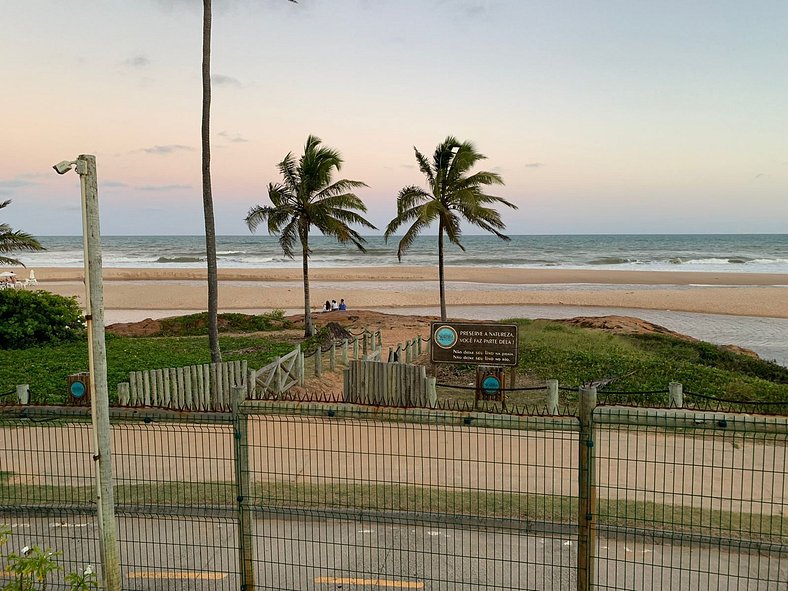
166	553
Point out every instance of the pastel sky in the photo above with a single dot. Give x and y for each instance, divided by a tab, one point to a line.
602	117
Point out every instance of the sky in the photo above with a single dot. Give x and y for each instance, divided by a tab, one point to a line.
602	117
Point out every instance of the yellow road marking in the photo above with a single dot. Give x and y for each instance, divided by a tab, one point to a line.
372	582
176	575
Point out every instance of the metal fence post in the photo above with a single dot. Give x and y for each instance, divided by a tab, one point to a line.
586	526
244	492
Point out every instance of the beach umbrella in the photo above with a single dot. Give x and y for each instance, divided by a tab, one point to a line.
7	274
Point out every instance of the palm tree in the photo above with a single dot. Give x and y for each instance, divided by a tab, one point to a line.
207	195
306	197
452	197
11	241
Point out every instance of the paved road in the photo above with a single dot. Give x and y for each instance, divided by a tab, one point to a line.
321	555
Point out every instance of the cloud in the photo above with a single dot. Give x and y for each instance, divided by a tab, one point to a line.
163	187
534	165
168	149
759	175
15	183
113	184
138	61
222	80
233	137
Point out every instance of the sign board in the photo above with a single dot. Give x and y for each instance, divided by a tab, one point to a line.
474	344
79	388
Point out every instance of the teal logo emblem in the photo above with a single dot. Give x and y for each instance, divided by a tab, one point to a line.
445	337
78	389
491	384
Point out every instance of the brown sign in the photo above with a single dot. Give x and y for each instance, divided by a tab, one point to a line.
474	344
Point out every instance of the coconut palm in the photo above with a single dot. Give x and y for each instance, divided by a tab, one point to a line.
12	241
452	196
207	196
307	198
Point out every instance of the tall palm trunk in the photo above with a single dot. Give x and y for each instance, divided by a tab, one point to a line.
207	197
441	274
308	329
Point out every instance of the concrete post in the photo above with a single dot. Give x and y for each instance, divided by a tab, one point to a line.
23	393
676	395
586	526
552	397
97	365
244	492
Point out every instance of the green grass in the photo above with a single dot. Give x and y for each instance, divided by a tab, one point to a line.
417	499
46	368
575	355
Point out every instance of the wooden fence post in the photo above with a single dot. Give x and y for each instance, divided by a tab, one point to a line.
365	344
676	395
244	491
344	351
418	345
432	392
123	394
318	361
586	526
332	356
301	376
355	348
552	397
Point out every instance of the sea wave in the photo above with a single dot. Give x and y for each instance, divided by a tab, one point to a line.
179	260
612	261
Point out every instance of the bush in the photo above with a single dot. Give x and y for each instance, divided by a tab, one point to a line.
33	318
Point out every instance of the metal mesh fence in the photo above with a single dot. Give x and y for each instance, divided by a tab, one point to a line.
298	495
698	504
440	505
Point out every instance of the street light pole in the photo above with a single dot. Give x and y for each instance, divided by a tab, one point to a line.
97	365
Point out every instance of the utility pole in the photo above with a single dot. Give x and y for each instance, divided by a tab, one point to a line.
85	165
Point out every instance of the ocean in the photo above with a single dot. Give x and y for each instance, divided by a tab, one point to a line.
742	253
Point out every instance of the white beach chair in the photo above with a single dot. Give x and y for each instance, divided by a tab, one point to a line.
31	280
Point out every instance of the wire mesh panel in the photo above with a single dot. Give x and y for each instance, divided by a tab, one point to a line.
176	502
47	489
384	499
690	500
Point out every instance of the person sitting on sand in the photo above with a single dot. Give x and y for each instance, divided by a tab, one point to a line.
327	306
334	305
342	305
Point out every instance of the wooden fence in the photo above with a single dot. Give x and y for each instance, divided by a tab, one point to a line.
277	377
196	387
388	384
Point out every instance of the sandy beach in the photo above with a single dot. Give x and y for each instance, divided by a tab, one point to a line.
745	294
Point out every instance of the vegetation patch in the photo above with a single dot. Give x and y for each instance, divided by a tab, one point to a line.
197	324
34	318
46	368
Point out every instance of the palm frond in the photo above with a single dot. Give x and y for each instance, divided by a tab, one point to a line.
424	166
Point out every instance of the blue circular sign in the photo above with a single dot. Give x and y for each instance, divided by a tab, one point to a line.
491	384
78	389
445	337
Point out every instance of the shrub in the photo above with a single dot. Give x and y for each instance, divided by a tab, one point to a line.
33	318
